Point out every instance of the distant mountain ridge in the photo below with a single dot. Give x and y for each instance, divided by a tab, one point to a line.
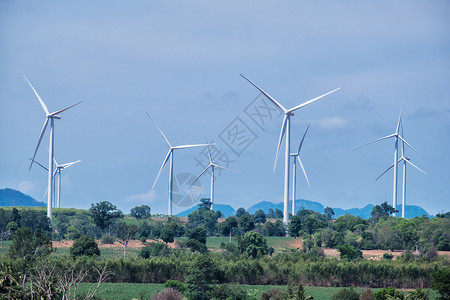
11	197
364	212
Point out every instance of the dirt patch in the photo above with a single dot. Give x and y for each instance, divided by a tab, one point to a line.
297	243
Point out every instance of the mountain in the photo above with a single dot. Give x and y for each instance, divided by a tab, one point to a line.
364	212
225	209
10	197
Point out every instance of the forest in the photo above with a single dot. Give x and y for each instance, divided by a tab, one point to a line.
175	253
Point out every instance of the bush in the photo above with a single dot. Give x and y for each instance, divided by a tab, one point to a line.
388	256
346	294
85	245
168	294
441	283
176	285
384	293
108	239
272	295
348	252
418	294
227	291
367	295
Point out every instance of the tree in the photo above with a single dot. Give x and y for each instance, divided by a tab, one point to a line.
278	213
167	234
441	283
347	252
259	216
253	243
85	245
228	226
104	213
295	226
240	211
246	223
141	212
197	240
201	274
126	232
329	212
381	211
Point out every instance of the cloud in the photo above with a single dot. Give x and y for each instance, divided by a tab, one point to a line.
363	103
26	187
332	123
148	197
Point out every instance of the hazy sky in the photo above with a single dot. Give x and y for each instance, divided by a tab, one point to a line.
180	61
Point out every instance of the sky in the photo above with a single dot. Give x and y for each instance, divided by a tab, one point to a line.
180	61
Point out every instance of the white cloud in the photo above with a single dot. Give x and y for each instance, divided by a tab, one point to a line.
332	123
148	197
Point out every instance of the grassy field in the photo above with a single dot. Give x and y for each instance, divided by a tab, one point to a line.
122	291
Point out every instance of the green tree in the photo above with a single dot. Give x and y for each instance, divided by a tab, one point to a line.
246	223
201	274
240	211
197	239
295	226
167	234
259	216
278	213
329	212
228	226
85	245
347	252
104	213
141	212
253	243
126	232
441	283
387	293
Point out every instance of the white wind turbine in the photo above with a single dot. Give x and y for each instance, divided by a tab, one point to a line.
294	170
211	165
285	129
49	117
166	159
58	169
405	160
396	135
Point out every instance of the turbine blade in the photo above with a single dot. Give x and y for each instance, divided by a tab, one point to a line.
415	166
403	140
38	164
162	134
280	140
377	140
209	152
39	98
65	166
39	141
162	166
303	169
191	146
265	94
223	168
301	143
384	172
199	176
312	100
64	109
399	119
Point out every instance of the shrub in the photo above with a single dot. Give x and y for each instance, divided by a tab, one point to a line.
272	295
348	252
384	293
176	285
85	245
346	294
388	256
441	283
418	294
367	295
227	291
108	239
168	294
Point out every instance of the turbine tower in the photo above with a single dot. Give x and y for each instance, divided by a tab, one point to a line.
286	130
211	165
294	170
169	157
396	135
405	160
49	117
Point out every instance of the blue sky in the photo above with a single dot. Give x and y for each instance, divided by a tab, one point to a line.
180	61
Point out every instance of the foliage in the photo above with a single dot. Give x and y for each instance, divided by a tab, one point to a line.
167	235
153	250
204	216
201	274
240	211
197	239
104	213
386	293
388	256
297	293
329	212
259	216
347	252
253	244
168	294
108	239
141	212
346	294
85	245
246	223
176	285
441	282
30	246
417	294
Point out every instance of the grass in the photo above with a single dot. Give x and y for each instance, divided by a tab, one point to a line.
110	291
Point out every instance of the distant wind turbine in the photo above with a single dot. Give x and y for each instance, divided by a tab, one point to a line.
396	135
405	160
49	117
285	129
294	170
211	165
169	157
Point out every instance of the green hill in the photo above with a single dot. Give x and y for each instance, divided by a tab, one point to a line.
11	197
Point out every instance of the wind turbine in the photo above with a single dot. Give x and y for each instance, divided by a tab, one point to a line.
58	170
48	117
285	129
294	170
396	135
405	160
168	157
211	165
